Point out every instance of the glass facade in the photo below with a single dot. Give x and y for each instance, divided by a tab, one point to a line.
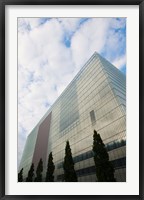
94	100
28	152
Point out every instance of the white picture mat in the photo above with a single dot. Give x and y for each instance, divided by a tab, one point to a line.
131	187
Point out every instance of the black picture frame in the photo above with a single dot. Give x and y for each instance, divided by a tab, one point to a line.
3	3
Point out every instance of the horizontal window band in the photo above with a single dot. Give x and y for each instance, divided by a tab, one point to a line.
89	154
117	164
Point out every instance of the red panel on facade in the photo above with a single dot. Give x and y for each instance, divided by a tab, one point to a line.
42	142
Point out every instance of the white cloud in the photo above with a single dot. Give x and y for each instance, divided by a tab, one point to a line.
28	24
69	24
120	62
118	23
91	37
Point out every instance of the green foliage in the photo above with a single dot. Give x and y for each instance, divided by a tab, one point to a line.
68	166
30	174
50	169
39	171
20	176
104	168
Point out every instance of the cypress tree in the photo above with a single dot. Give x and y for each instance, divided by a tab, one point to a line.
50	169
39	171
68	165
20	176
104	168
30	174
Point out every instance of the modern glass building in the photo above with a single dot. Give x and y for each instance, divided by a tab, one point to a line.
94	100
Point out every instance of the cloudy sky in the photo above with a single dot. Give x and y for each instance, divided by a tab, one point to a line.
50	53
